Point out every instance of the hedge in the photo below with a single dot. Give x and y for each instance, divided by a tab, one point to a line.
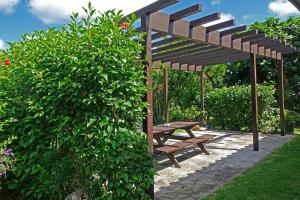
72	98
230	108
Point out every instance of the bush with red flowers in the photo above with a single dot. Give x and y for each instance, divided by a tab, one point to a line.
73	99
7	61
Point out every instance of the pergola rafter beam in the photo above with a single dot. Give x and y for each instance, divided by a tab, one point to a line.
156	6
206	19
221	25
186	12
233	30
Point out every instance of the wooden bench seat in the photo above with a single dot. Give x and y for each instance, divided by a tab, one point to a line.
173	148
200	139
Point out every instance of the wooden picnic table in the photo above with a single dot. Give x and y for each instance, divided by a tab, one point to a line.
166	131
162	133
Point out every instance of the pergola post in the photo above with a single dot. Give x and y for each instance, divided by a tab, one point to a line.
254	102
166	95
281	96
202	91
148	121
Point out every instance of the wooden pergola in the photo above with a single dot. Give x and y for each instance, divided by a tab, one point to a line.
296	3
192	45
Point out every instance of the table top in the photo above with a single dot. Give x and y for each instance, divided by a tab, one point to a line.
165	128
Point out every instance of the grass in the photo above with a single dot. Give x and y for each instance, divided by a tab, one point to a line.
277	177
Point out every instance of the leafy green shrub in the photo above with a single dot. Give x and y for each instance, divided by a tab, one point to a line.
230	108
72	98
190	114
292	116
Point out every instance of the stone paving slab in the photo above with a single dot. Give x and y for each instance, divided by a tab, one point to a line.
231	153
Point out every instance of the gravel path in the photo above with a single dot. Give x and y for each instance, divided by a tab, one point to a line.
231	154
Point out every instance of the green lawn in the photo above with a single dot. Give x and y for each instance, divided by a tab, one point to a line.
276	178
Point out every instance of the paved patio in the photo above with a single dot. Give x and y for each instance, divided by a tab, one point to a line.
231	154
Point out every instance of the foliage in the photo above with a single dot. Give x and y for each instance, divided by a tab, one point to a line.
230	108
292	116
184	89
183	95
158	96
276	177
190	114
6	161
72	98
215	76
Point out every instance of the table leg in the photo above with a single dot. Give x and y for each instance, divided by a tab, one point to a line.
191	134
159	141
167	136
200	145
173	160
203	149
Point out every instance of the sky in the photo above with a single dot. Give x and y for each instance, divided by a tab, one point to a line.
18	17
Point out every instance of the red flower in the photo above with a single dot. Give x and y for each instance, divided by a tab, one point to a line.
7	61
124	25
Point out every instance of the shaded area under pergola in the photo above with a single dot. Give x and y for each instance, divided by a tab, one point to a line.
191	45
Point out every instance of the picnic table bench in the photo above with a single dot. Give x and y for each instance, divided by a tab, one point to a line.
162	133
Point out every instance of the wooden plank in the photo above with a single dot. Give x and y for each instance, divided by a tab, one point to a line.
237	44
181	52
244	34
268	53
181	44
192	68
198	68
158	35
180	28
156	6
206	19
223	60
274	54
281	95
246	47
156	64
221	25
202	93
166	95
179	15
252	38
261	51
212	53
233	58
254	48
279	56
159	22
165	41
198	33
176	66
296	3
148	121
186	12
233	30
254	103
214	37
184	67
226	41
